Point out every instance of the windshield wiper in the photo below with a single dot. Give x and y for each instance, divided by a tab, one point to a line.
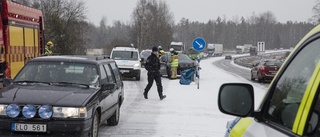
30	81
70	83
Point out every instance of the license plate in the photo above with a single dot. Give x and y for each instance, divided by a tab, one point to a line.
29	127
123	71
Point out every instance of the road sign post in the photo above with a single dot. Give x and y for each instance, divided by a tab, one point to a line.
198	44
261	48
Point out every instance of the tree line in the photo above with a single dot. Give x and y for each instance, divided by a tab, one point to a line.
152	24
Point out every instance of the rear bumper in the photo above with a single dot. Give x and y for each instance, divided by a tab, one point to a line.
78	128
267	77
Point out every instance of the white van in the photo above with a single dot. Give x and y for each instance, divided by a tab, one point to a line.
128	61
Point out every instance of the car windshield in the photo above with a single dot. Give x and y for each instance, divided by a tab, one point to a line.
177	47
145	54
59	72
124	55
184	57
272	63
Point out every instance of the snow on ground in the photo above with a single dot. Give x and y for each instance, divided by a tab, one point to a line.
186	112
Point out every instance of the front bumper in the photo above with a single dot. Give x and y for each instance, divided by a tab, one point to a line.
70	128
126	72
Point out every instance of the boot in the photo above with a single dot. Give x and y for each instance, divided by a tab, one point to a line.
162	97
145	95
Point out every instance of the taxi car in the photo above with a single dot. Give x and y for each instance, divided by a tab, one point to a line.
61	96
291	106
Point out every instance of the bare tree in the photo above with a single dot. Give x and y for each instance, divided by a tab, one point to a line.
65	25
152	24
316	13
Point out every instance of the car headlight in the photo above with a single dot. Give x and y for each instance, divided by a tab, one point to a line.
13	110
45	111
136	66
3	110
69	112
29	111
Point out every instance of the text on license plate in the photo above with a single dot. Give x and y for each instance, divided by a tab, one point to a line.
29	127
123	71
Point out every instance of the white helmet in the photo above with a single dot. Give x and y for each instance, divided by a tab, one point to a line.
159	47
171	49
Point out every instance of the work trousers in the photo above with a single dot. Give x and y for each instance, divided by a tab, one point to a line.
174	72
154	77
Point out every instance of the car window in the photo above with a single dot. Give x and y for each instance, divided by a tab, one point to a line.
104	78
272	63
125	55
116	72
184	57
291	86
145	54
55	72
109	73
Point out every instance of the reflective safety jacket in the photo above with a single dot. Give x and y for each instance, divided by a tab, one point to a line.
174	61
47	51
161	52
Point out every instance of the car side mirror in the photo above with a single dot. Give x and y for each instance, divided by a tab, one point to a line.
108	86
7	81
142	59
236	99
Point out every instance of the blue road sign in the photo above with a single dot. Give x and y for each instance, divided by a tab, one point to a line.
199	44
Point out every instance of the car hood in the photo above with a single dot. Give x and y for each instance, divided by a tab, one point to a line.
51	95
126	63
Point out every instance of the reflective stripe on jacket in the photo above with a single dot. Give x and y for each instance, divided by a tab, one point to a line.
47	51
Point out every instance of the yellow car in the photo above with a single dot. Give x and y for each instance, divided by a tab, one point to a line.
290	107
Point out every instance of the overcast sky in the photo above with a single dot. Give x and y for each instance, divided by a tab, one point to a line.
203	10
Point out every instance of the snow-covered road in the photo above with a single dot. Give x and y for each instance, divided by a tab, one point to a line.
186	112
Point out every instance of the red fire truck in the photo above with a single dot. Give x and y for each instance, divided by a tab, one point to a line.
21	37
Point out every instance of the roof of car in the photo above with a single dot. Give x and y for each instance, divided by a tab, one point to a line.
74	58
124	48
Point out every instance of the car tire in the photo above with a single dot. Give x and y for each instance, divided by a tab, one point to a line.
114	119
259	77
95	125
252	78
138	75
138	78
169	72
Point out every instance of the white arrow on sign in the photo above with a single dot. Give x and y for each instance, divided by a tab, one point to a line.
200	45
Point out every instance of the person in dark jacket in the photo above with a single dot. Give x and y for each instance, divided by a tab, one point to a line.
153	68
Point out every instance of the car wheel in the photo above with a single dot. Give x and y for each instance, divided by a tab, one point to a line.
138	75
252	78
169	72
114	119
259	77
95	125
138	78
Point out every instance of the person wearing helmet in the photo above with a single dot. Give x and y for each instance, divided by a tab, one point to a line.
161	51
174	62
47	50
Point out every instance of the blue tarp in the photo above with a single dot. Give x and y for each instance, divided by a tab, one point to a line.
186	76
